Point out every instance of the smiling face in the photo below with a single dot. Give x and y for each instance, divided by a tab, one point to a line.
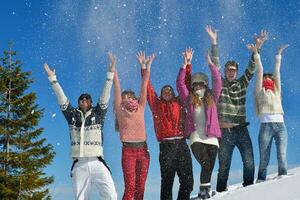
167	94
231	73
231	70
85	102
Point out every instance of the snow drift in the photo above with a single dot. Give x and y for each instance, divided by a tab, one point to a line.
286	187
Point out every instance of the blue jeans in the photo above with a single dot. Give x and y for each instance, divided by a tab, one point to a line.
267	132
237	136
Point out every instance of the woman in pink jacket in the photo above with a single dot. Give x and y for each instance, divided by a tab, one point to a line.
131	125
201	122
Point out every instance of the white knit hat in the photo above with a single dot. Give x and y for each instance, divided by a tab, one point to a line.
199	78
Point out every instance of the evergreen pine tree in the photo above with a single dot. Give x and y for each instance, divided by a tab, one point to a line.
23	153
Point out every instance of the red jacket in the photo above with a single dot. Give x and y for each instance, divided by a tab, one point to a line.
168	117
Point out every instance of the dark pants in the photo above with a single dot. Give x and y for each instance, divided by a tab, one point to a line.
206	156
175	157
237	136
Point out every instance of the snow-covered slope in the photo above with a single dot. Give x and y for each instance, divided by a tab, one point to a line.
275	188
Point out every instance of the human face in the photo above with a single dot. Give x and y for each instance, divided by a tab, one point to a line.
231	73
268	83
199	89
267	77
198	86
85	103
167	94
128	97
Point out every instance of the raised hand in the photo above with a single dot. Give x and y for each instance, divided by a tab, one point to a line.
252	48
149	61
141	58
281	48
259	40
48	70
113	60
212	34
208	59
188	56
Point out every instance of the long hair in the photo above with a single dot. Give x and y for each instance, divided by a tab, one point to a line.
206	100
117	127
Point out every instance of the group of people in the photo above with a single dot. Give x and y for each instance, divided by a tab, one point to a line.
213	120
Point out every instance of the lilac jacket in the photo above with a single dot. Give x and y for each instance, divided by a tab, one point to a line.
212	126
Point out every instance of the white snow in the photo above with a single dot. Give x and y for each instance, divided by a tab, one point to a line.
281	188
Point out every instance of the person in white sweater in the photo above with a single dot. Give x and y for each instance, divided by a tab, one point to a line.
86	127
268	104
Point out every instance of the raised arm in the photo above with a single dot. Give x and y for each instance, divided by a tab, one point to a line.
277	66
117	90
187	64
216	78
151	94
249	72
260	39
60	95
145	80
259	74
182	84
213	36
104	98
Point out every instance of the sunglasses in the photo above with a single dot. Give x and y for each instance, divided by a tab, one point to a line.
201	84
85	96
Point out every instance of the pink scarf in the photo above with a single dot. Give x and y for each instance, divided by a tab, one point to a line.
268	84
131	105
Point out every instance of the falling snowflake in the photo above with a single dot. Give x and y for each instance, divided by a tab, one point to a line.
53	115
32	111
58	144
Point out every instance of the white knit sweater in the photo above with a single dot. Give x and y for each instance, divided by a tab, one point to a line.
268	101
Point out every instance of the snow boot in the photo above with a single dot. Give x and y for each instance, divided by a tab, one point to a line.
204	192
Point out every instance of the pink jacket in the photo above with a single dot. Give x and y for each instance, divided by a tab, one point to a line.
212	127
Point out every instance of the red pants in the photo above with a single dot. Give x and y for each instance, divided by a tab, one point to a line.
135	164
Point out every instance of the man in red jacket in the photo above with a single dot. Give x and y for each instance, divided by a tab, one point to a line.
174	155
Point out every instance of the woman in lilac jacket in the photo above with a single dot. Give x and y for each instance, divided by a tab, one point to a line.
201	122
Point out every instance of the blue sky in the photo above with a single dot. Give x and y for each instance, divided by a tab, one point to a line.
74	37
